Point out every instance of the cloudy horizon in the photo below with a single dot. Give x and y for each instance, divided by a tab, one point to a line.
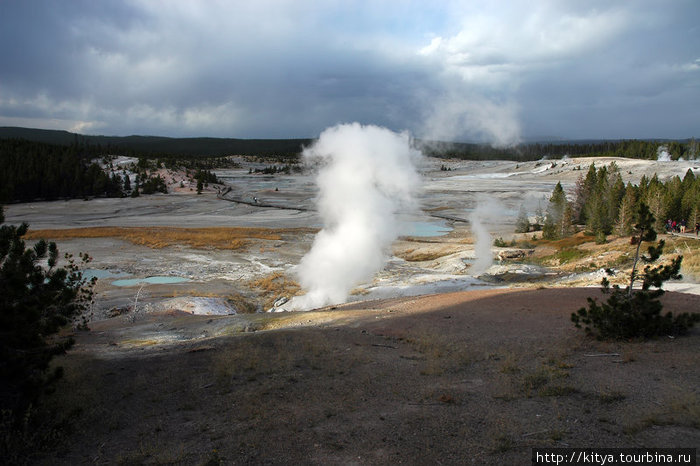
493	71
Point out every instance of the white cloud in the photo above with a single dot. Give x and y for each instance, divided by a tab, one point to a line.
207	117
691	66
497	45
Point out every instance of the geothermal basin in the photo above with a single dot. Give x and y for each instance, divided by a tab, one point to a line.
433	253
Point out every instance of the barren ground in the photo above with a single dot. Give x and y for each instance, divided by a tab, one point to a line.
471	377
476	377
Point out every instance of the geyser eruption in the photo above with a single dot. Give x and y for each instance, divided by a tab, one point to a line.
487	211
366	175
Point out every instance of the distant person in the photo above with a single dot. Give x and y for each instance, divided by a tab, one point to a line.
683	225
697	228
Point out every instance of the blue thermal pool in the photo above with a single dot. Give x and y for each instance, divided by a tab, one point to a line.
426	229
156	280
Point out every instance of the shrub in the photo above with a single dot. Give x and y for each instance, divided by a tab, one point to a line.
501	243
631	314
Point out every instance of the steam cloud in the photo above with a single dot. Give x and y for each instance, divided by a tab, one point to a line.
463	113
367	174
487	211
662	154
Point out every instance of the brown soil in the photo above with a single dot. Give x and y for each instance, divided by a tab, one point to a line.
464	378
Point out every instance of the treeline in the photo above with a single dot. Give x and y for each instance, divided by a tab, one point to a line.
274	169
605	205
31	171
156	146
287	150
634	149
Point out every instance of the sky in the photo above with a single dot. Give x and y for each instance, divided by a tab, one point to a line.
492	71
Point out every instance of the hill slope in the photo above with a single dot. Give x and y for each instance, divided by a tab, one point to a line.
163	145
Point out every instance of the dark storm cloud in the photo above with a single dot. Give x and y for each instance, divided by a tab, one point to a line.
497	70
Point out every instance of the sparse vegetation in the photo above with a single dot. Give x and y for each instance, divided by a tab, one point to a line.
681	410
546	380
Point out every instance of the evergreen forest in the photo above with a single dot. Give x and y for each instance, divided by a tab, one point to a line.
632	149
37	171
602	204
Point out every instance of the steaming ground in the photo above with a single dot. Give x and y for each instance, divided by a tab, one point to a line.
417	265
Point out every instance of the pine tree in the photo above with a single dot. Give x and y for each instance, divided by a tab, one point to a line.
627	212
557	222
36	302
630	313
655	199
614	198
691	204
596	209
584	189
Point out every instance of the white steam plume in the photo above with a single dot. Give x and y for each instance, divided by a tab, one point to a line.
487	211
366	175
662	154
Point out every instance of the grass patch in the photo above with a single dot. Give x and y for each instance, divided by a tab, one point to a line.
502	443
535	381
570	241
690	250
546	380
442	353
161	237
558	390
570	254
510	364
683	410
611	397
268	355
